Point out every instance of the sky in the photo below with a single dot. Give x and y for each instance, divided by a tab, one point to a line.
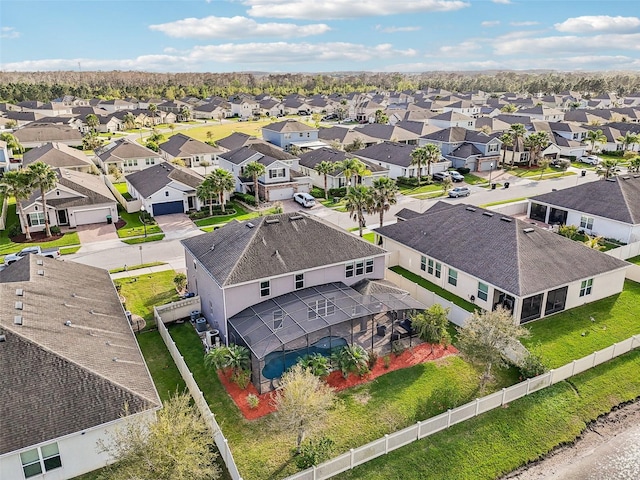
280	36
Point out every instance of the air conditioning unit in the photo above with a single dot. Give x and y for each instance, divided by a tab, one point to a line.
212	338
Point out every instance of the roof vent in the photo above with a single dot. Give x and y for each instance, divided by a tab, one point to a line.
528	230
250	225
19	292
39	262
17	320
41	273
487	214
272	220
68	323
636	176
19	305
3	338
611	180
212	247
626	178
505	219
470	209
296	217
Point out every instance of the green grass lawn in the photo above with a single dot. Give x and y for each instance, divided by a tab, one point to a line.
134	226
121	187
369	237
503	202
69	250
472	179
560	337
461	302
434	187
536	172
149	238
144	292
503	439
240	214
634	260
222	130
136	267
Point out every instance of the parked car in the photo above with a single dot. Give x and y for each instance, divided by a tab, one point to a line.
440	176
459	192
53	252
591	160
456	176
304	199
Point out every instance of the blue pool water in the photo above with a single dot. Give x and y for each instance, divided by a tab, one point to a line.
276	363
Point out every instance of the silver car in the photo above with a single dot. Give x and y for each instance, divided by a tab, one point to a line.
459	192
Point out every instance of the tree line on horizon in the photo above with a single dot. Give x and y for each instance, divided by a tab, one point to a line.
45	86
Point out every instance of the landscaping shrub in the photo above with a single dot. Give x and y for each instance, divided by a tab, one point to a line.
253	401
338	192
463	170
55	230
245	197
386	361
614	153
14	230
317	192
407	181
532	365
318	364
241	377
373	358
314	452
397	348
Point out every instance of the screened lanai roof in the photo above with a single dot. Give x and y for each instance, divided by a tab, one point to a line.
269	325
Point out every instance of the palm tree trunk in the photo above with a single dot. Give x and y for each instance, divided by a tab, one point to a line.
47	228
513	154
255	190
360	222
381	217
211	205
326	193
419	173
221	199
27	233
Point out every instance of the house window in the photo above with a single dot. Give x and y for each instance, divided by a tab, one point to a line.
586	222
166	194
277	173
348	270
483	291
585	287
150	161
423	264
301	134
359	268
278	316
531	308
453	277
41	459
299	281
368	265
492	147
265	288
36	219
434	268
321	308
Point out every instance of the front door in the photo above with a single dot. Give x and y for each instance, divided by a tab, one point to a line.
190	202
62	217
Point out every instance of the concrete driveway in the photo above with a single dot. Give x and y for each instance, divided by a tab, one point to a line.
177	225
97	232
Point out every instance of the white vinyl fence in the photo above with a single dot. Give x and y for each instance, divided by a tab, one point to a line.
130	206
198	397
392	441
624	253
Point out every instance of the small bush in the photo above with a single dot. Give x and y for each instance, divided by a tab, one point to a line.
532	365
14	230
253	401
338	192
314	452
241	378
397	348
373	358
386	361
317	192
463	170
55	230
407	181
245	197
613	153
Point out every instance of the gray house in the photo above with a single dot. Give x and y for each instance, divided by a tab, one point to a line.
290	132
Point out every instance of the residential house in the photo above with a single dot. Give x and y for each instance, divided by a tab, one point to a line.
126	156
192	151
396	158
77	199
464	107
490	259
453	119
59	155
260	287
244	107
116	105
164	189
465	148
36	134
46	109
608	208
393	133
542	113
7	162
271	107
345	136
213	110
72	371
290	132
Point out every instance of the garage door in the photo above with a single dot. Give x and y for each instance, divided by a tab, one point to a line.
280	194
87	217
166	208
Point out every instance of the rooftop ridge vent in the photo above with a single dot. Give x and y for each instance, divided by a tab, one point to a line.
528	230
505	219
41	273
487	214
626	177
470	209
17	320
636	176
611	179
19	292
296	217
250	225
19	305
39	262
271	221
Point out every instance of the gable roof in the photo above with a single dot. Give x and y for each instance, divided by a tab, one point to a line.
274	245
289	126
58	379
56	155
47	132
124	149
180	145
480	243
325	154
389	152
155	178
617	198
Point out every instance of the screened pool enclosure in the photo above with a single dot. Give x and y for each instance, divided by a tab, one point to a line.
319	319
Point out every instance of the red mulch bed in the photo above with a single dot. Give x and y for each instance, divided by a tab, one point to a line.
35	237
410	357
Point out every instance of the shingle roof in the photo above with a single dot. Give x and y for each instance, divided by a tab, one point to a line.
56	155
497	251
125	149
180	145
465	151
47	132
277	244
387	132
389	152
289	126
313	157
150	180
236	140
617	198
59	379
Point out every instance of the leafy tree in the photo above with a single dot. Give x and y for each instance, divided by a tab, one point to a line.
18	184
180	281
92	121
12	142
351	359
485	337
384	194
358	202
381	117
172	127
179	162
507	141
569	231
223	182
517	131
209	135
354	146
115	172
11	124
177	445
543	165
325	168
295	150
91	141
316	117
206	191
255	169
317	364
628	139
151	145
447	183
302	403
634	164
564	165
235	357
185	113
594	136
431	325
44	178
594	242
204	164
129	121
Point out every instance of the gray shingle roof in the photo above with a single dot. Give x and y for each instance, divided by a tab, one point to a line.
59	379
325	154
125	149
56	155
289	126
497	251
617	199
150	180
276	245
180	145
47	132
390	152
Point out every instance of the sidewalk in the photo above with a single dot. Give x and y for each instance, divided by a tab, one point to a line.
143	271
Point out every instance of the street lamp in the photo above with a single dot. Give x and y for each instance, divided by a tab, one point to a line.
144	220
490	172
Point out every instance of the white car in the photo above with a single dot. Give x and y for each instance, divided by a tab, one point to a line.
304	199
590	160
456	176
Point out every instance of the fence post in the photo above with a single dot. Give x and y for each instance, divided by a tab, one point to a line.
418	432
504	394
351	458
386	443
528	383
551	376
613	355
448	418
573	368
226	451
593	362
477	406
314	472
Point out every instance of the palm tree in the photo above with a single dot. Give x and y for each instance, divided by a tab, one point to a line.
357	144
383	194
45	179
223	182
507	141
324	168
206	191
425	155
628	139
608	168
593	242
129	121
92	121
12	142
255	169
634	164
185	113
594	136
535	142
153	108
349	167
351	359
508	108
18	184
517	131
359	202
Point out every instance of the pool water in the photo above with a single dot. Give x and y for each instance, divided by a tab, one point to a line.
276	363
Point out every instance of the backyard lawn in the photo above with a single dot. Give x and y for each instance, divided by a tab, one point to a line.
434	187
634	260
222	130
121	187
144	292
239	213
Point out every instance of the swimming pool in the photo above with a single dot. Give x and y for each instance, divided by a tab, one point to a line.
276	363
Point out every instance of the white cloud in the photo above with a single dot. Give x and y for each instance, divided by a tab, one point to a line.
503	2
523	24
338	9
469	47
380	28
598	23
235	27
567	44
9	33
490	23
